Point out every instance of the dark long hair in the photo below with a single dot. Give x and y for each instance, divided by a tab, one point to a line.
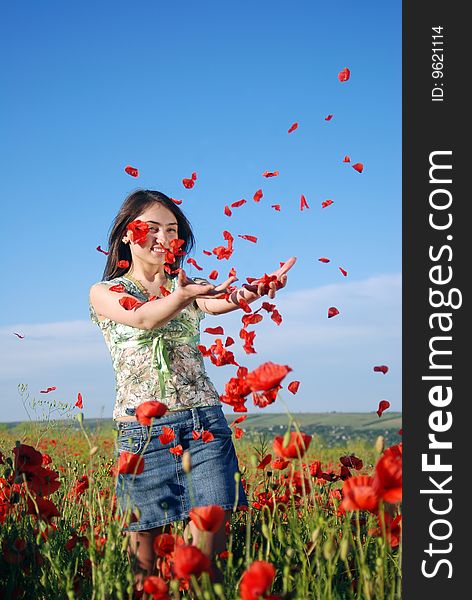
132	207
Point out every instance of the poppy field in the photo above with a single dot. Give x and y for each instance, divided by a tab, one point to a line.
321	523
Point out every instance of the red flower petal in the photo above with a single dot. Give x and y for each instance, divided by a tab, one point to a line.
207	436
326	203
138	231
188	183
215	330
359	167
227	211
343	271
303	202
293	127
229	342
270	174
266	376
50	389
381	369
250	238
324	260
344	74
193	262
328	118
79	402
383	405
275	206
207	252
119	288
258	195
175	201
129	463
238	203
152	409
129	303
177	450
332	312
196	434
346	159
131	171
213	275
102	251
293	386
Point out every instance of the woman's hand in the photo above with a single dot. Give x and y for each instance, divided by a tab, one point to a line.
189	290
278	280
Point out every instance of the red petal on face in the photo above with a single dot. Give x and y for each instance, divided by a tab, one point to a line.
207	436
207	252
346	159
79	402
326	203
258	195
188	183
359	167
119	288
213	275
344	74
332	312
138	231
177	450
381	369
175	201
192	261
343	271
293	386
215	330
131	171
129	303
122	264
102	251
292	127
275	206
270	174
303	202
196	435
324	260
250	238
238	203
328	118
383	405
227	211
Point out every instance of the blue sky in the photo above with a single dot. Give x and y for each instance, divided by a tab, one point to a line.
207	87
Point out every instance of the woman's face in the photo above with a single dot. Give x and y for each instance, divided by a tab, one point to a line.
162	228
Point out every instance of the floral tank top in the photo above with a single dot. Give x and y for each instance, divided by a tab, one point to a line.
158	364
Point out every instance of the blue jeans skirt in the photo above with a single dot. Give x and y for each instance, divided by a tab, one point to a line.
163	492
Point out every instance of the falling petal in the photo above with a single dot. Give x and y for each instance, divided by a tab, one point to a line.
383	405
332	312
213	275
326	203
359	167
346	159
276	206
293	127
270	174
227	211
258	195
122	264
131	171
324	260
49	389
238	203
129	303
215	330
207	252
381	369
175	201
344	74
192	261
328	118
343	271
250	238
303	202
293	386
102	251
119	288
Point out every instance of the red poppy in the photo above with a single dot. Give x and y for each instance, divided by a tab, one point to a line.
258	195
344	74
381	369
129	463
152	409
79	402
393	529
265	461
207	436
165	543
79	488
296	447
250	238
293	127
332	312
138	231
388	475
293	386
256	580
359	167
42	508
270	174
343	271
303	202
207	518
122	264
119	288
279	464
156	587
167	435
328	118
189	560
346	159
383	405
99	249
266	376
326	203
359	493
275	207
351	461
227	211
177	450
42	480
131	171
27	458
129	303
324	260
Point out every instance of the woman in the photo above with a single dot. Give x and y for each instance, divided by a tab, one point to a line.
149	316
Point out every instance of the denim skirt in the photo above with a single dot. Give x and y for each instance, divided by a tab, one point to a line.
164	492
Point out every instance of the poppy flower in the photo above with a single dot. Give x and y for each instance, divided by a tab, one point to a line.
324	260
297	445
138	231
293	386
332	312
42	480
279	464
303	202
258	195
156	587
215	330
328	118
152	409
275	207
167	435
381	369
207	518
177	450
383	405
189	560
256	580
119	288
238	203
49	389
265	461
165	543
292	127
131	171
207	436
393	529
343	271
129	463
344	74
270	174
129	303
359	167
27	458
250	238
266	376
122	264
42	508
388	475
326	203
79	402
351	461
99	249
346	159
359	493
